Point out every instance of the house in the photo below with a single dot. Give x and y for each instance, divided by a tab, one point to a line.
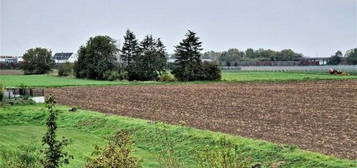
8	59
65	57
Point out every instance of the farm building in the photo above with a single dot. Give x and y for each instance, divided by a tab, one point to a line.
65	57
8	59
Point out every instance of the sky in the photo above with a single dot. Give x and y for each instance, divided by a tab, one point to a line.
315	28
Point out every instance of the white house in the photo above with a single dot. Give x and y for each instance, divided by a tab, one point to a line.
65	57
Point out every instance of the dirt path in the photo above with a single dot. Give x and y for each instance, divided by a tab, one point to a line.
319	116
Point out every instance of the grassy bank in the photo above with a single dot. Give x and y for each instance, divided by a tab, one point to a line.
24	125
227	76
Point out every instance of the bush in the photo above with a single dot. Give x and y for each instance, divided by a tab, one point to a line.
167	77
223	154
65	69
118	153
22	157
210	71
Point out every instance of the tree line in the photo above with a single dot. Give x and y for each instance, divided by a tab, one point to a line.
233	55
101	59
349	58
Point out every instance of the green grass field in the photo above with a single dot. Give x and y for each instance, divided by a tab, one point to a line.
24	125
245	76
230	76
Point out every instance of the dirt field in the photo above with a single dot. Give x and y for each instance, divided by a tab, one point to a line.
11	72
319	116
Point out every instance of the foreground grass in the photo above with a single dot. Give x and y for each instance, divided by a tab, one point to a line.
24	125
227	76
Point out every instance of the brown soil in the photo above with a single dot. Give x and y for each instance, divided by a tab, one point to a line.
319	116
11	72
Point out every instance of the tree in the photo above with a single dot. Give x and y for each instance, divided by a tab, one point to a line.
151	61
335	59
188	58
54	154
96	58
351	56
37	61
130	48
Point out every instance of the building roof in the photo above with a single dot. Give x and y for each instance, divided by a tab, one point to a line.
62	56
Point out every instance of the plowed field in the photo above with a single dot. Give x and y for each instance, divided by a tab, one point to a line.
319	116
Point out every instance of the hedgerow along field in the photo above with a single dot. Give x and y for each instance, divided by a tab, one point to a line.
227	76
24	125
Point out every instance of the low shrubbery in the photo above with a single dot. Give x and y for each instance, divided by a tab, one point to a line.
23	157
65	69
167	77
117	153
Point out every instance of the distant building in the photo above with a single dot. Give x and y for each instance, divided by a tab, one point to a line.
65	57
172	60
8	59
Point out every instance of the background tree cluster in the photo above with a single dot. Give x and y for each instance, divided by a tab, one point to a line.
188	65
233	56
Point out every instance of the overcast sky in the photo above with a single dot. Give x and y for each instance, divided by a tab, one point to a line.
311	27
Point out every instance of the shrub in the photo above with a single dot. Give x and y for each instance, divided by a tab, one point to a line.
223	154
210	71
22	157
118	153
65	69
167	77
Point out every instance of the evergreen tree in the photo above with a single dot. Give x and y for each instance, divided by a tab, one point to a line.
151	61
188	58
130	48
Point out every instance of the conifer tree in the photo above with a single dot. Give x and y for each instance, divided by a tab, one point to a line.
188	62
130	48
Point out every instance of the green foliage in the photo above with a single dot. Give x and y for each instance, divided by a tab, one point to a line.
130	49
232	56
167	77
117	154
210	71
2	89
22	157
54	154
188	58
150	62
188	65
96	57
37	61
351	56
335	59
223	154
65	69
